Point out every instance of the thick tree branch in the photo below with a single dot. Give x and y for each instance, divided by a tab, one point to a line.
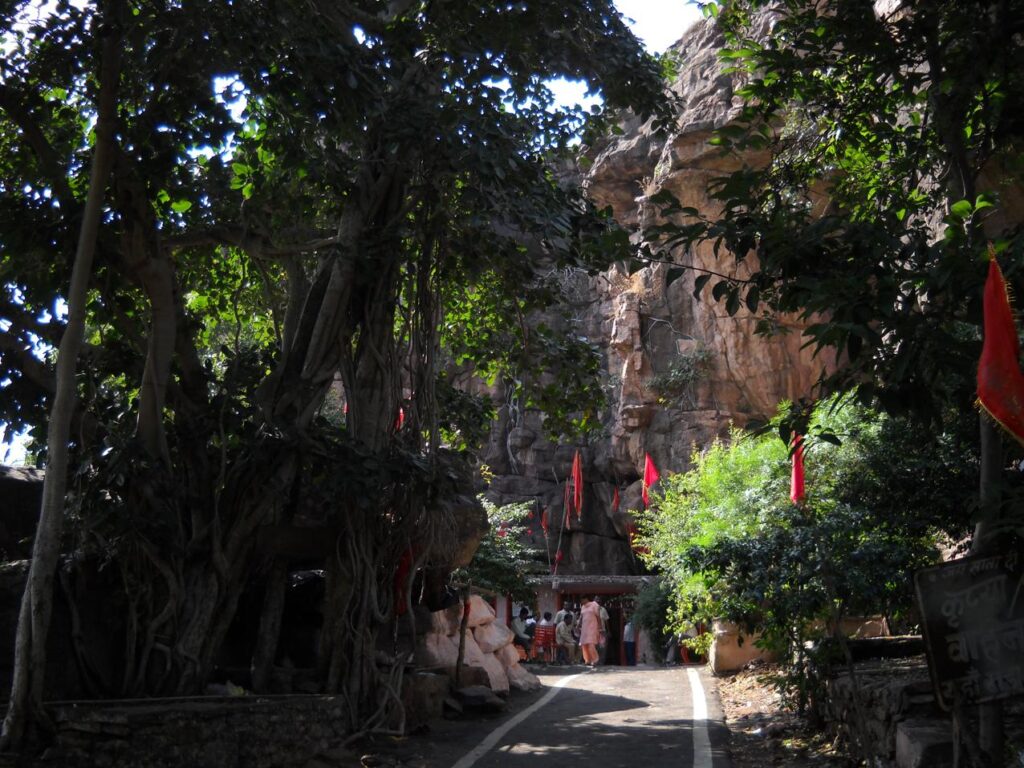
28	323
242	238
32	367
12	104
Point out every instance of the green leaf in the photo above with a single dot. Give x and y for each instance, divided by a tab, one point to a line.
785	433
674	273
961	209
180	206
698	285
732	304
753	298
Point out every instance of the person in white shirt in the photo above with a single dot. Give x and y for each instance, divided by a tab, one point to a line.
629	642
522	637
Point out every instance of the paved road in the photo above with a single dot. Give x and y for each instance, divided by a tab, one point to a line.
610	717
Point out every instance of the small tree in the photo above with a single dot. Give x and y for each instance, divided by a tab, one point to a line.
504	559
732	545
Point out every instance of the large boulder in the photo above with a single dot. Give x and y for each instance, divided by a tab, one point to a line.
492	636
480	612
522	679
508	656
436	649
446	622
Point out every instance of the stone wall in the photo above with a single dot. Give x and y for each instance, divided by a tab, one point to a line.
214	732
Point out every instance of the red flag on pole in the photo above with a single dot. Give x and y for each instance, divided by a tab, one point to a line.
544	521
567	504
651	476
1000	381
796	483
577	483
558	559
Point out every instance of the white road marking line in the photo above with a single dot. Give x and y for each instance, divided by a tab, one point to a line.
498	733
701	740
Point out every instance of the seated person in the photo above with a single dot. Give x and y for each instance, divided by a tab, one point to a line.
521	636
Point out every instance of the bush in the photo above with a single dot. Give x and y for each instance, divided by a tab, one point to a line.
731	545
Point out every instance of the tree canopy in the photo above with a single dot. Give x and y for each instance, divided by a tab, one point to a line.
315	209
893	144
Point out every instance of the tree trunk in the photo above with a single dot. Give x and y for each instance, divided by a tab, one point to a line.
270	625
464	596
26	702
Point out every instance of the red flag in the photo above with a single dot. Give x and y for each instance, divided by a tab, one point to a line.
651	476
796	484
544	521
577	483
1000	381
400	421
615	499
567	504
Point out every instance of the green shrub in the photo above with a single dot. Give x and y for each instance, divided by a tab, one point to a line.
675	385
731	545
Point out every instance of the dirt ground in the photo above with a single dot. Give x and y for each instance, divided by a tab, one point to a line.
763	733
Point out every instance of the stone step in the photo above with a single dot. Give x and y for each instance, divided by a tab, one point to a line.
924	744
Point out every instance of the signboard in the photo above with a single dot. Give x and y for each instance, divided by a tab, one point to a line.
973	614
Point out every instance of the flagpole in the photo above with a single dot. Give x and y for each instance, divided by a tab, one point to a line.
991	736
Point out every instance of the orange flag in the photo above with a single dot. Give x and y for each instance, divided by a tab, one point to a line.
577	483
651	476
796	483
1000	381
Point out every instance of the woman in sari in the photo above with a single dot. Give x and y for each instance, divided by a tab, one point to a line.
590	630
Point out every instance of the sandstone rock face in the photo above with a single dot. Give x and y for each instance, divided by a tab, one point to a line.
678	369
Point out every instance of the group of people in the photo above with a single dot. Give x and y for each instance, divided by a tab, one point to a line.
583	627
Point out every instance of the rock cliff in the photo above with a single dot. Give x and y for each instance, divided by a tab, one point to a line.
678	369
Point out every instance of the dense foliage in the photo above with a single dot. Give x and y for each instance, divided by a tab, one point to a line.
503	561
312	209
892	144
732	545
